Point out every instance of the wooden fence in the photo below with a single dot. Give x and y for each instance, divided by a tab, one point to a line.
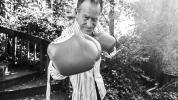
22	47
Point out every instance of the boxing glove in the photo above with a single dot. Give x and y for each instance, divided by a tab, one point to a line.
75	55
107	41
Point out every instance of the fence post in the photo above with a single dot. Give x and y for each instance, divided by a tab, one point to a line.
13	48
21	48
43	60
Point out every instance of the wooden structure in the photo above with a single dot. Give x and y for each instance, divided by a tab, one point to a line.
24	48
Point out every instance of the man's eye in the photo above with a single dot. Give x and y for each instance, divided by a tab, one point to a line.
94	19
86	18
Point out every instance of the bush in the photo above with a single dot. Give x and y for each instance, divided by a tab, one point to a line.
125	80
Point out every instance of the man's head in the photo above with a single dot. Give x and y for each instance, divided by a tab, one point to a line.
87	15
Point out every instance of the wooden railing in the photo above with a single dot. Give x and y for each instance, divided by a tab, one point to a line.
22	47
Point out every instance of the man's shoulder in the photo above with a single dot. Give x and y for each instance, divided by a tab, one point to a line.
65	35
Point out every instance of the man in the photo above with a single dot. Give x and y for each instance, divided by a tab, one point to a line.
88	85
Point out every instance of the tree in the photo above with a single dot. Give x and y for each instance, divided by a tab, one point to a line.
2	10
111	17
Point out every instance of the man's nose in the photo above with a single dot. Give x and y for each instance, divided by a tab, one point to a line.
89	23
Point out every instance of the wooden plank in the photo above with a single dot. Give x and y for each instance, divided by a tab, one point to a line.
25	36
13	48
35	52
21	48
31	40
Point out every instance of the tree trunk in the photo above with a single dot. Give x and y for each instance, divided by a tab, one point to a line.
111	17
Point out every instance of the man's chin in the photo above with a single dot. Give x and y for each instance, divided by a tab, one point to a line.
88	32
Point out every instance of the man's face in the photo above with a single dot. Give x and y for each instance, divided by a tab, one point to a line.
87	16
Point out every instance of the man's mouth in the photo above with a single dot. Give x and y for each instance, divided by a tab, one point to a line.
89	30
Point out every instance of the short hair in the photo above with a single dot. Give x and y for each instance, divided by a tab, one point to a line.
92	1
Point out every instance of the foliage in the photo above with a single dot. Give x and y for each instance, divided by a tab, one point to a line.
125	79
163	96
2	8
122	82
142	40
123	17
158	28
38	19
